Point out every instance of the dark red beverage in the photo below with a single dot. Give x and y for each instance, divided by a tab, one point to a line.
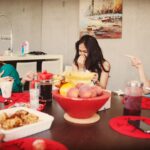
132	105
46	91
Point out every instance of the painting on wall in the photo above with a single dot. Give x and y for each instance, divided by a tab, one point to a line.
101	18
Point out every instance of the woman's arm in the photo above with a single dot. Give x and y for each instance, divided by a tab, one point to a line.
137	63
104	76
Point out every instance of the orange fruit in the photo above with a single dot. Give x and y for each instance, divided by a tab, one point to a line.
65	87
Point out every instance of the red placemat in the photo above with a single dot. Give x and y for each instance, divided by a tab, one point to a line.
121	125
146	103
27	144
20	99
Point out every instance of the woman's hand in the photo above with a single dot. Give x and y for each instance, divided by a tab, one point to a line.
81	62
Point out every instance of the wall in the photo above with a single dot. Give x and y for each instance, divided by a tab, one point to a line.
58	30
25	16
60	27
61	30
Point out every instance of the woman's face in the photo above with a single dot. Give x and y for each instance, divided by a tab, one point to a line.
82	50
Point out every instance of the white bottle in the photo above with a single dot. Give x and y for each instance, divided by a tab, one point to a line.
34	94
26	47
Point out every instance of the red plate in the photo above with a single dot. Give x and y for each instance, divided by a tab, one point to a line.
27	144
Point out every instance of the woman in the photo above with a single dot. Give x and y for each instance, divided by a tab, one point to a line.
89	56
7	71
137	63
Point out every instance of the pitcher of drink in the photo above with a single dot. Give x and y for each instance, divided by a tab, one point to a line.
133	98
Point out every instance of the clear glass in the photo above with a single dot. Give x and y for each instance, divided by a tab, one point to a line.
34	94
6	88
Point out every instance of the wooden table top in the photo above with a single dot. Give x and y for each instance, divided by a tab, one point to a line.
96	136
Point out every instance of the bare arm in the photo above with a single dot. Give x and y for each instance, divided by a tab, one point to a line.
104	76
136	62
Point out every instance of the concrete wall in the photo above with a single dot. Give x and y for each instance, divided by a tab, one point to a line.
53	26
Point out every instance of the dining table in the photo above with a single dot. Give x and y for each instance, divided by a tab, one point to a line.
94	136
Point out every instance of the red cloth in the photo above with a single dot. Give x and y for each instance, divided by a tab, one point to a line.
145	102
26	144
18	97
121	125
21	97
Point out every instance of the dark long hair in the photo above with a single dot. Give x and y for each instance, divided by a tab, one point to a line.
95	59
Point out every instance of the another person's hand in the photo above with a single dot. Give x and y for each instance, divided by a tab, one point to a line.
28	77
136	62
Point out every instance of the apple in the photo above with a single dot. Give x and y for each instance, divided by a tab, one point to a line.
73	92
94	91
78	85
85	91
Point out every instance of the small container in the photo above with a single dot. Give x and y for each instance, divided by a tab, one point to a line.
133	98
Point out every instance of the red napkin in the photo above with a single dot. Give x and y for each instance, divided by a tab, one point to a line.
145	102
121	125
18	97
26	144
21	98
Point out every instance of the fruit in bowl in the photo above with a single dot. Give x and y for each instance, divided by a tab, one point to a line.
81	107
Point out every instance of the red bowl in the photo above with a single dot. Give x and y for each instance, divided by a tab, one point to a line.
81	107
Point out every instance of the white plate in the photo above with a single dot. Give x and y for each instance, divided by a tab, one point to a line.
43	123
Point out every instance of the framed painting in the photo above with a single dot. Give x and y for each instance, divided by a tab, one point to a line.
101	18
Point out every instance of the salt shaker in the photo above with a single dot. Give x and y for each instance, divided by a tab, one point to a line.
133	98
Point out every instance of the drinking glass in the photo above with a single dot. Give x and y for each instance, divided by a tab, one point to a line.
6	88
133	98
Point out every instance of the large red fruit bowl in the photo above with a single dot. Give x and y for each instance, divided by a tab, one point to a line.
81	108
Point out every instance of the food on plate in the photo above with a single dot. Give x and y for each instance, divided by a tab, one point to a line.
3	117
19	118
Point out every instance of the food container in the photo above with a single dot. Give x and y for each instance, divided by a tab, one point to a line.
42	124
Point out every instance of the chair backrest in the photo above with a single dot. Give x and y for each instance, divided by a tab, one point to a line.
25	67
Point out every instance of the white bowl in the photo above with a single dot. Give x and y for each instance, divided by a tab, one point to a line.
43	123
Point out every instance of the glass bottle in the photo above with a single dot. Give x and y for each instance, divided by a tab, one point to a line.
34	89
